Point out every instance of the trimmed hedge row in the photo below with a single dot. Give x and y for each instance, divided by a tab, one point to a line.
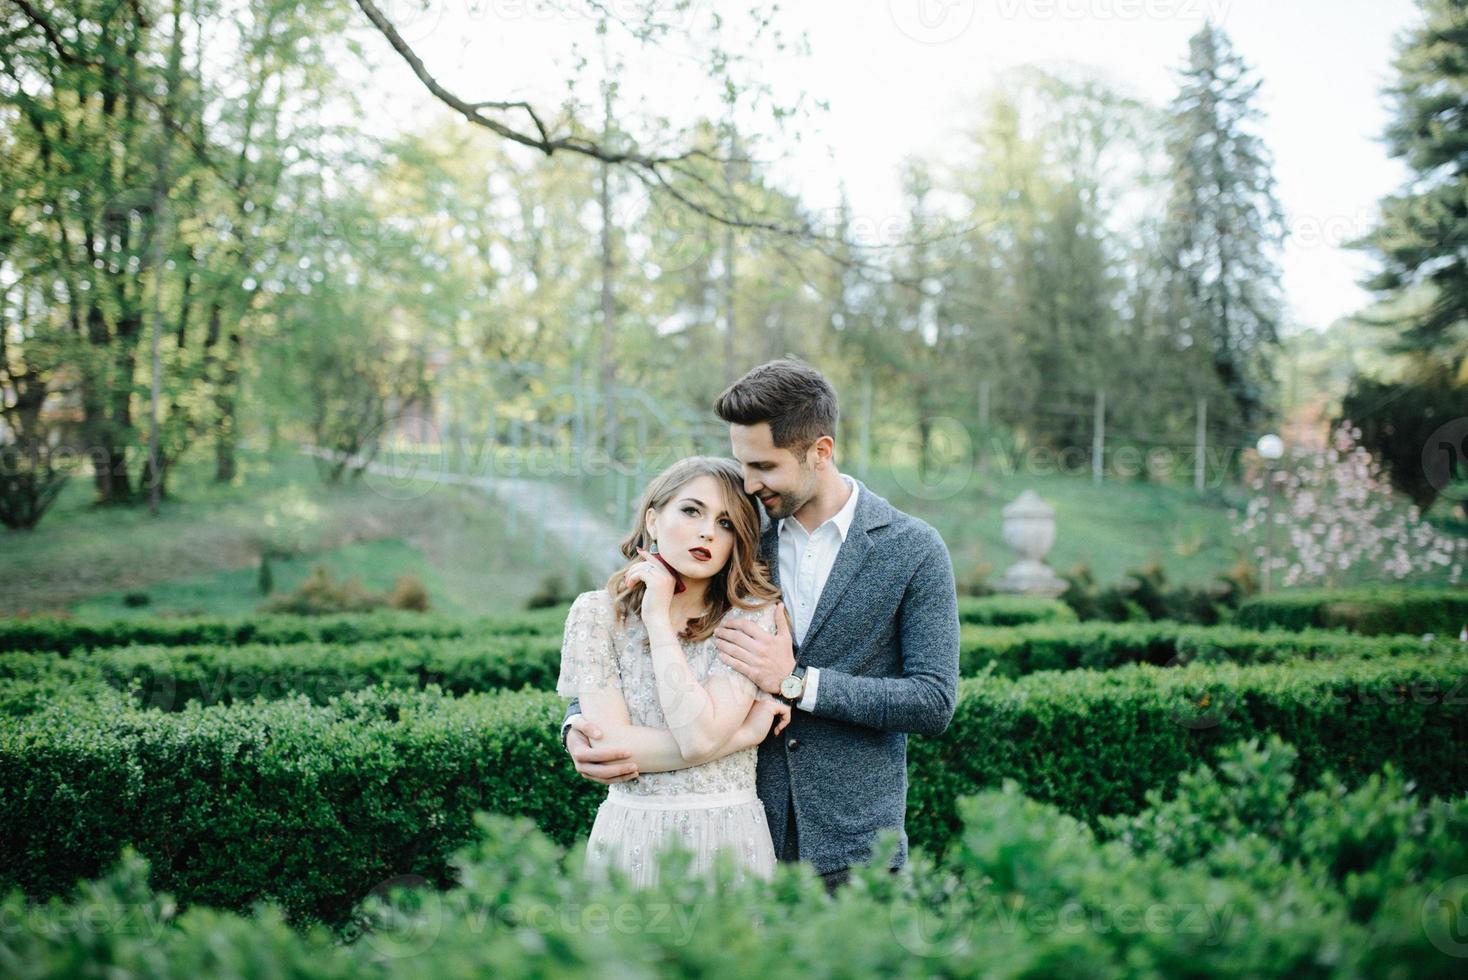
311	805
1094	743
1012	610
1103	646
63	636
167	678
1372	611
1365	883
303	804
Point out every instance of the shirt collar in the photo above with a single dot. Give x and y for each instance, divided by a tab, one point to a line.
842	518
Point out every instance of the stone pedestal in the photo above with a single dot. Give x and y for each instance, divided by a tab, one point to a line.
1029	528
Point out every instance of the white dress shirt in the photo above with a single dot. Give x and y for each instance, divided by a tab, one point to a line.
806	558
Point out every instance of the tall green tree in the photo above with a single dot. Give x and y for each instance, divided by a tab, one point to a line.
74	84
1033	284
1420	233
1224	228
146	186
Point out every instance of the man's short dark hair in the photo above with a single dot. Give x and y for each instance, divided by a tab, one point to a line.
794	398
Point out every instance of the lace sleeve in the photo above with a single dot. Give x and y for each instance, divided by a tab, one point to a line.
588	657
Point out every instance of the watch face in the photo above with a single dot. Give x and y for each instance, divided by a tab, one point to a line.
790	686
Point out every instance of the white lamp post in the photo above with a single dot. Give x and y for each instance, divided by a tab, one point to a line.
1271	448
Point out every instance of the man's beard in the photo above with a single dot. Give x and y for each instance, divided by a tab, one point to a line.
787	505
782	510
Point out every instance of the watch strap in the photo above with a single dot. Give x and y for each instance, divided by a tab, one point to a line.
798	671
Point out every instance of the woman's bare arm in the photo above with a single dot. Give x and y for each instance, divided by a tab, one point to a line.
656	750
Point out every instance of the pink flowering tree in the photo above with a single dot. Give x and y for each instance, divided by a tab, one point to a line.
1337	519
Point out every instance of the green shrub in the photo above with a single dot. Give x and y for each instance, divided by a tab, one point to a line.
554	591
1020	650
1144	594
33	691
64	635
408	592
321	595
1371	611
1245	817
302	804
310	805
1026	891
1094	743
167	678
1012	610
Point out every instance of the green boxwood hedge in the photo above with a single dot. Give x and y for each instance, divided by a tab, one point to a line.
1020	650
63	636
1094	742
1012	610
309	805
1443	612
168	677
1362	883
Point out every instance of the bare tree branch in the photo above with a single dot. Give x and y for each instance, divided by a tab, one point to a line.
49	30
657	173
651	170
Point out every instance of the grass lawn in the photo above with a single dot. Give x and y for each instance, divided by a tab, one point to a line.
1117	526
1114	527
201	554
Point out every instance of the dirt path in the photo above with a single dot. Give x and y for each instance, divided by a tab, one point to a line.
568	523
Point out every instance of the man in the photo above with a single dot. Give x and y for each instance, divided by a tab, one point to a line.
871	654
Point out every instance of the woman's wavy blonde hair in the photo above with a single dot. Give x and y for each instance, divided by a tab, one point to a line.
744	581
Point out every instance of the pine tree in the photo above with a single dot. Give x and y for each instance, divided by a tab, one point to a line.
1224	228
1419	236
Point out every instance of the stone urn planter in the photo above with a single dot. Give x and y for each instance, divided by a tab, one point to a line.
1029	528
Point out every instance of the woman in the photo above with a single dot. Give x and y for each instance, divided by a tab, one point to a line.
640	656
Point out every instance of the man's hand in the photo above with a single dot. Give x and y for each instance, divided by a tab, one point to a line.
603	764
763	658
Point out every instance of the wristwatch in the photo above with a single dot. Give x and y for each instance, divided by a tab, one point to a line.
793	686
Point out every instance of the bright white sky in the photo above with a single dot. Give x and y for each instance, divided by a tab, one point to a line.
898	73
